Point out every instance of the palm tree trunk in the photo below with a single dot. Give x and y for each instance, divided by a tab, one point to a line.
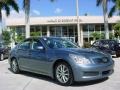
105	13
27	26
27	17
0	25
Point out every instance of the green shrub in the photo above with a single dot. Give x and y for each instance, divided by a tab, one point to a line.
87	45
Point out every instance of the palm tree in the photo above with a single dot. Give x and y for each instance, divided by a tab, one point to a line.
115	8
6	5
26	6
105	14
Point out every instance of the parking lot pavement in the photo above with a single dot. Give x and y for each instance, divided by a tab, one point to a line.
29	81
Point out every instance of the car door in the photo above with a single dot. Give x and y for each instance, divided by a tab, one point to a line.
23	53
39	60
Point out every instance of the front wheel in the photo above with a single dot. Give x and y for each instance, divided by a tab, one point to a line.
14	66
118	54
63	74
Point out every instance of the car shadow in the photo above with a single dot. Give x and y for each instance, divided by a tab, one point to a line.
88	83
36	76
49	79
114	57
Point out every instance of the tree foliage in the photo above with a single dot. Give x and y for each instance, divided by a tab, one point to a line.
98	35
117	29
95	35
6	5
115	8
20	38
35	34
6	37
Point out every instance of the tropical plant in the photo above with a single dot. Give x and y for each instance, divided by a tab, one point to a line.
6	5
111	35
16	37
6	37
26	6
117	30
35	34
20	38
95	35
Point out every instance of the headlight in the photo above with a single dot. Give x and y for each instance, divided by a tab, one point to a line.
80	59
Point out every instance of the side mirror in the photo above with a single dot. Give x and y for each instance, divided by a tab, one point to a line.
40	48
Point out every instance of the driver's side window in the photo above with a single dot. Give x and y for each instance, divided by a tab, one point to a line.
36	44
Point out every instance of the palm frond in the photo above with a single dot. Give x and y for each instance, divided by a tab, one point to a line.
6	5
99	2
112	10
7	10
14	5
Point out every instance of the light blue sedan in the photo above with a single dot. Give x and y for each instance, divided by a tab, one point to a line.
60	59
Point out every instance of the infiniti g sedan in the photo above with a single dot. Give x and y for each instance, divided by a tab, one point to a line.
60	59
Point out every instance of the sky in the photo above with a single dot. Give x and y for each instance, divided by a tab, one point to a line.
59	8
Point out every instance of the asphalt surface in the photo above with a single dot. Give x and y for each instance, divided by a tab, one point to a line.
30	81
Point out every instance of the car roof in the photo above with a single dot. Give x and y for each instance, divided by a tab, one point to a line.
40	38
107	40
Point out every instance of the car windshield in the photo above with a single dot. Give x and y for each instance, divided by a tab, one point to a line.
59	43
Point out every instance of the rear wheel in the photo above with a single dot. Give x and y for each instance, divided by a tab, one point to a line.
14	66
63	74
1	57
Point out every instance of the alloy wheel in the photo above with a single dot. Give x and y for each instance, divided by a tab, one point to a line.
62	73
14	66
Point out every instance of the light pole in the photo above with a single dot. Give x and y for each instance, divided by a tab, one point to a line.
78	23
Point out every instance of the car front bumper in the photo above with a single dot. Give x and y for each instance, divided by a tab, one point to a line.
92	72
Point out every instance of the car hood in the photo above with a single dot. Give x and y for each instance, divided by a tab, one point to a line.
83	52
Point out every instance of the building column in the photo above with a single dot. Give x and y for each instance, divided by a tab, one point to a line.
27	28
48	31
88	33
81	35
113	32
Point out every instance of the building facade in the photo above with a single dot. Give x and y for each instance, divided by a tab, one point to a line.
63	26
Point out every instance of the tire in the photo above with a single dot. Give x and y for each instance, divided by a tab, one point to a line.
1	57
117	54
14	66
64	77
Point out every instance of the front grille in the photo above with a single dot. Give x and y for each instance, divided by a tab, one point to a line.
101	60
